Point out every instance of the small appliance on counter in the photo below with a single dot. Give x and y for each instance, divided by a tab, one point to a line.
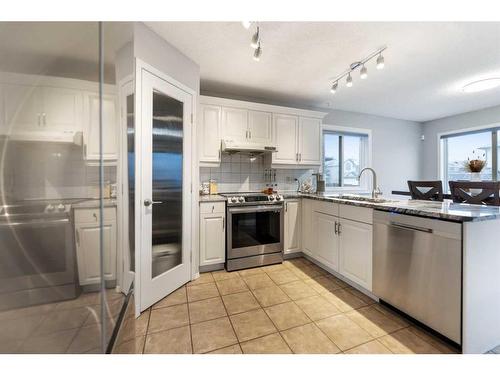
320	183
213	187
205	188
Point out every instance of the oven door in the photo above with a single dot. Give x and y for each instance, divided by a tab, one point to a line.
36	254
254	230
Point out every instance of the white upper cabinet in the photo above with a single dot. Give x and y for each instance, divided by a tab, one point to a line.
309	141
61	109
209	133
23	107
285	133
91	127
259	127
42	109
234	123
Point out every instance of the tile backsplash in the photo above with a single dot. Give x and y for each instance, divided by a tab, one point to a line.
44	170
238	173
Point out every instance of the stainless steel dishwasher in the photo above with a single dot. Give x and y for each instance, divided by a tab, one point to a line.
417	268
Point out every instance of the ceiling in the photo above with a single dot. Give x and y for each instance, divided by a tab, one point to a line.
426	64
63	49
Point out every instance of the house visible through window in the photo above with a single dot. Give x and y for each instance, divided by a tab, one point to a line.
344	155
458	147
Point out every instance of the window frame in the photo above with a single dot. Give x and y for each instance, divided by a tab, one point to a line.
365	183
442	149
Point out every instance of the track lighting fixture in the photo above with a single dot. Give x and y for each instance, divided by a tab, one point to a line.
363	73
348	81
255	39
333	90
380	62
257	53
363	70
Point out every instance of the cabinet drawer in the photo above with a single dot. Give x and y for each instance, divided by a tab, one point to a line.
328	208
91	215
361	214
212	207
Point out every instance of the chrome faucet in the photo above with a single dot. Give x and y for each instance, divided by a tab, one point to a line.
376	190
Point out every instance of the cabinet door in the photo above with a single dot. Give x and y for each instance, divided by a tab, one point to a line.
307	228
235	123
285	132
212	239
87	250
23	108
61	109
356	252
91	131
309	141
292	226
327	244
209	130
259	127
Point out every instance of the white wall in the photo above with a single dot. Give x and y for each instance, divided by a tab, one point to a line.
396	146
154	50
487	116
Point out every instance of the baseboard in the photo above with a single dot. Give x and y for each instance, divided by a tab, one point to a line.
212	267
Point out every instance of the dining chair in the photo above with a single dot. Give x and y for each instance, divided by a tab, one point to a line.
426	190
476	192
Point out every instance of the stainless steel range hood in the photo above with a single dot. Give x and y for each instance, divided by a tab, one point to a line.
232	146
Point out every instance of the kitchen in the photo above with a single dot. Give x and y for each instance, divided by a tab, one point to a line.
203	206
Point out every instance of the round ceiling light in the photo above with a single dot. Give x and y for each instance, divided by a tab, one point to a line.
481	85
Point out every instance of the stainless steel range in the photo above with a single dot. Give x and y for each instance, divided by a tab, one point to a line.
254	230
37	259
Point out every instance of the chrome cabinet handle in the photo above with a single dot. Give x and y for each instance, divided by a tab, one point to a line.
336	230
250	132
339	229
149	202
411	227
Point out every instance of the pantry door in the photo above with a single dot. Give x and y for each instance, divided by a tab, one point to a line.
163	147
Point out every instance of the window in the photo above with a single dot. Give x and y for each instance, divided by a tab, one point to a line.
458	147
344	155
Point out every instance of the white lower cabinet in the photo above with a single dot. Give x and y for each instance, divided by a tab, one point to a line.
342	244
355	256
87	233
212	233
327	245
292	226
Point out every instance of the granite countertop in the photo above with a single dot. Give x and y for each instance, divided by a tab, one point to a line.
212	198
94	203
446	210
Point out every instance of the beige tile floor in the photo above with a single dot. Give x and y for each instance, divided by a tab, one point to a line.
71	326
294	307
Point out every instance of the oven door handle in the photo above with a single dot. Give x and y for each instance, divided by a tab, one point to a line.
33	222
233	210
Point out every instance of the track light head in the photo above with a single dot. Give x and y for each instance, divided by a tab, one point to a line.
255	39
257	53
348	81
246	24
380	62
363	74
333	90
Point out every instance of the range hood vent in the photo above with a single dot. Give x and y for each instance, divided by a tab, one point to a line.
231	146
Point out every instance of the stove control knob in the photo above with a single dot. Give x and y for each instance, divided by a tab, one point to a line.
50	208
234	200
61	207
241	199
271	198
279	198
